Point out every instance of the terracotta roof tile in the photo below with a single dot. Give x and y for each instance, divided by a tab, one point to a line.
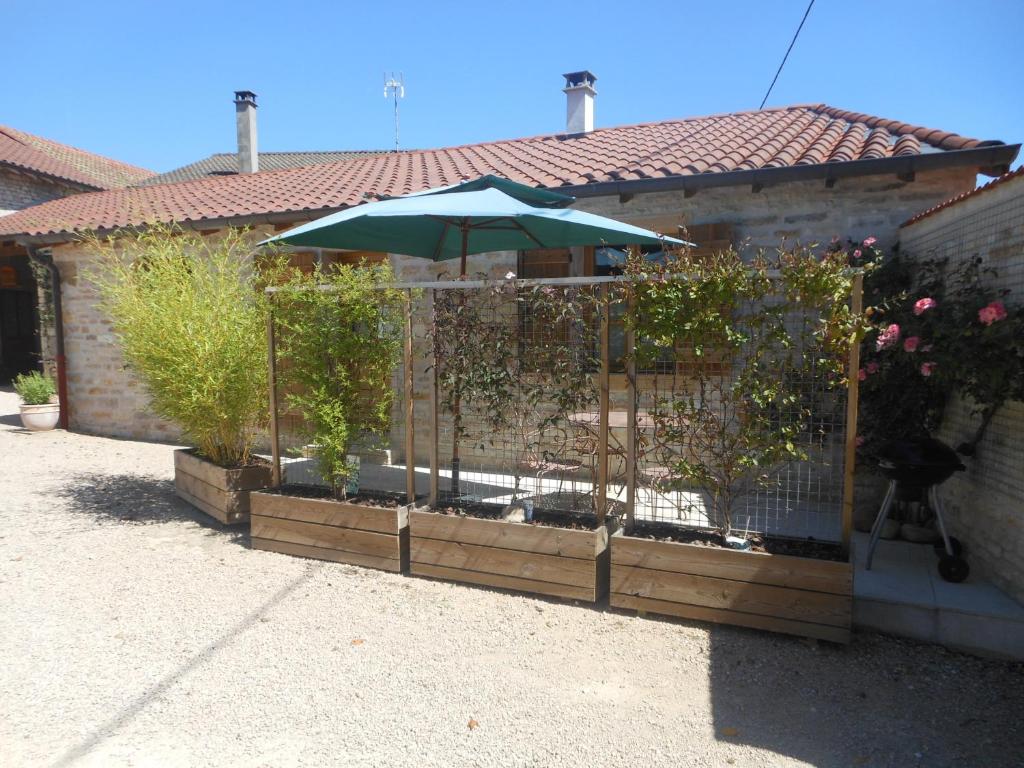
964	195
38	155
226	164
774	138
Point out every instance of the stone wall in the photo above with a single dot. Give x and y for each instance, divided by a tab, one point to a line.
802	212
985	503
106	400
21	190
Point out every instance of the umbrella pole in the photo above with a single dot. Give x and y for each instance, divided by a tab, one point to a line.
456	409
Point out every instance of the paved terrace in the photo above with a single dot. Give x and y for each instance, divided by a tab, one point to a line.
136	632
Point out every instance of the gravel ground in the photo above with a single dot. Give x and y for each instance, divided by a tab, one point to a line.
137	632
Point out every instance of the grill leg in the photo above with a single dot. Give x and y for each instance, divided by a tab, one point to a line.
933	497
876	529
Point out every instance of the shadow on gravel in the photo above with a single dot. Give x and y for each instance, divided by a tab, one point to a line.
135	499
879	702
103	732
12	420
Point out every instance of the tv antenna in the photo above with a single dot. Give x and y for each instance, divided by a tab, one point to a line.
394	87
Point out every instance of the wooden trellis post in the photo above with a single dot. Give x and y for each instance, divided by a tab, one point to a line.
433	409
275	442
410	411
601	500
857	309
631	436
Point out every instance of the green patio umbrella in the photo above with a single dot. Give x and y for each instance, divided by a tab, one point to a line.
478	216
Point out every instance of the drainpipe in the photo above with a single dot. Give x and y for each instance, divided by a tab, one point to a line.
46	259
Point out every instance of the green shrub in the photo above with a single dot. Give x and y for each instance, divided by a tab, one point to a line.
34	388
751	340
339	348
190	314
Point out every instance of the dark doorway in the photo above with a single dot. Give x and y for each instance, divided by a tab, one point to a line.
19	337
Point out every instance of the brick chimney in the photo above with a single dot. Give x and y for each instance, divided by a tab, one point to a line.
245	120
579	101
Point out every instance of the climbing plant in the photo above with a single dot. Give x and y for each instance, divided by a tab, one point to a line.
748	341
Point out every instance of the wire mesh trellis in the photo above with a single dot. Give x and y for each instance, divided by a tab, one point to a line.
707	447
518	371
528	391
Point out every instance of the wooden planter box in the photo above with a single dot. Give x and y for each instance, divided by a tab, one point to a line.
326	529
221	493
780	593
543	560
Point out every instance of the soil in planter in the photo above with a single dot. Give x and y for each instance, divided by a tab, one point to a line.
383	499
254	461
817	550
541	517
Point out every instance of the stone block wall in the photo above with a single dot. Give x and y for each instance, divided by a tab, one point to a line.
21	190
985	503
803	212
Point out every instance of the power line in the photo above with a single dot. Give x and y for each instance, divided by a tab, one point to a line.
792	42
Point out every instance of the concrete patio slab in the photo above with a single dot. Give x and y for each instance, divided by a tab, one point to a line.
904	595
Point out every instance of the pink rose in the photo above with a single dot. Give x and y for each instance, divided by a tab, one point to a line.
910	343
928	368
872	367
856	254
923	305
993	312
859	441
862	374
869	241
888	337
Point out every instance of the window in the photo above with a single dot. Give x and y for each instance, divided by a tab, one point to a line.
608	260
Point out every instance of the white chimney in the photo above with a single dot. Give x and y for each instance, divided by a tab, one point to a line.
245	120
579	101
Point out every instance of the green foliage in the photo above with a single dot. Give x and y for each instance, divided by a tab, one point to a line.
522	357
750	338
339	346
190	314
937	330
34	388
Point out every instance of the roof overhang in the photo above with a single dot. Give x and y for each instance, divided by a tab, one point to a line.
992	160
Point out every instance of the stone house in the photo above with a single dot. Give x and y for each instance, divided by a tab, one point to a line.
753	179
34	170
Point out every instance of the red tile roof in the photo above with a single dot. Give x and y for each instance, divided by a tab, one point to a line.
964	195
34	153
770	138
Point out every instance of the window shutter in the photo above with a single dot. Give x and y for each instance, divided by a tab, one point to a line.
544	262
710	238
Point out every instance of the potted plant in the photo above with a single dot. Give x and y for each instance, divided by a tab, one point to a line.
190	315
338	337
513	364
752	347
39	413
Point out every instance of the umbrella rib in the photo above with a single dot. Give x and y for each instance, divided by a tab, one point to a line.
440	240
528	233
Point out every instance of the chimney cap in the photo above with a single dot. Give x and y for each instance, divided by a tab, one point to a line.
583	78
242	97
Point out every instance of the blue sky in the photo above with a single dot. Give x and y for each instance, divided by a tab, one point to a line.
151	82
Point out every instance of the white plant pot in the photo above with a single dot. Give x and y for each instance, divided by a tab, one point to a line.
40	418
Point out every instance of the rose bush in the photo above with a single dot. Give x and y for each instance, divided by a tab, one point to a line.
958	337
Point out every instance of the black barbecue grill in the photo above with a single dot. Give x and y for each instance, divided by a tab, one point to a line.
915	469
